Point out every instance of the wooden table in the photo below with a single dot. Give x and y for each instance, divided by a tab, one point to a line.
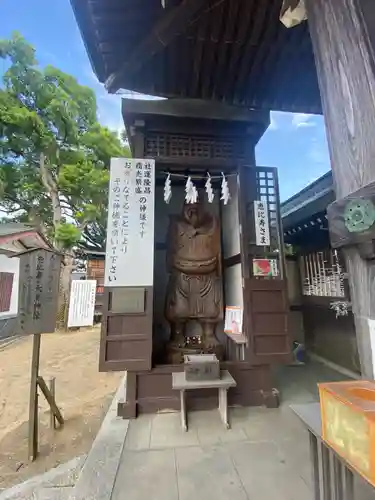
226	381
333	478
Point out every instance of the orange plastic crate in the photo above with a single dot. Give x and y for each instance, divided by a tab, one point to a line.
348	423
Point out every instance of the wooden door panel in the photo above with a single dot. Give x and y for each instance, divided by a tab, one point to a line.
268	300
266	308
266	323
126	339
271	345
269	323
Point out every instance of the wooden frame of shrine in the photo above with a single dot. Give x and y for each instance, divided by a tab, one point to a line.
321	316
263	56
190	139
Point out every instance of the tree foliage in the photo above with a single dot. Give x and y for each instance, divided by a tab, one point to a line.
54	155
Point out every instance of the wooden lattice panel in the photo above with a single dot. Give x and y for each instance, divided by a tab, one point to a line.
266	190
261	184
177	146
323	274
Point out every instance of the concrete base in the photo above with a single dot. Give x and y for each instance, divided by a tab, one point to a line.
151	391
56	484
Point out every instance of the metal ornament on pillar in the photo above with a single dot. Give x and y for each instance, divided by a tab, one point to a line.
352	221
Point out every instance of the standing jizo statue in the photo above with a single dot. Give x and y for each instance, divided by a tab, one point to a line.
195	286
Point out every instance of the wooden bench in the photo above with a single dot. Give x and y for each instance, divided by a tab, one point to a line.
226	381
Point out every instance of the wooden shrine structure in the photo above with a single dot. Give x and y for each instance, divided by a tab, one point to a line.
319	295
233	54
184	136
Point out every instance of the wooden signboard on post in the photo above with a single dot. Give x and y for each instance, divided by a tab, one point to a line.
39	276
39	281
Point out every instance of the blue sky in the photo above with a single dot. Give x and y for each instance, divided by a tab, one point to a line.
295	143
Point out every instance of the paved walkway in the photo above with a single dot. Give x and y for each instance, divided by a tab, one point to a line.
264	456
252	460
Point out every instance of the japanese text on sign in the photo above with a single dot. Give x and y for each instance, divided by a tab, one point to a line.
38	286
82	303
262	229
143	188
130	240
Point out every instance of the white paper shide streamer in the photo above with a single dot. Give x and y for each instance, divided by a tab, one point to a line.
167	189
225	195
209	190
191	195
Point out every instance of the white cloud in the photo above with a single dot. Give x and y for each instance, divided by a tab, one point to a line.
300	120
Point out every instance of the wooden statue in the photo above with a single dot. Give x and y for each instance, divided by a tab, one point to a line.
195	288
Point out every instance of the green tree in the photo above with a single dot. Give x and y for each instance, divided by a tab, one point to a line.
54	155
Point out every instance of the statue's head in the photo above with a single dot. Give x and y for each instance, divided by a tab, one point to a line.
193	213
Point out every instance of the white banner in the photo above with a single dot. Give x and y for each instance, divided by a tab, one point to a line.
262	227
82	303
9	286
130	231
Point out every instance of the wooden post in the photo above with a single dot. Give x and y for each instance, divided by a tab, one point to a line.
343	35
33	403
50	400
49	393
52	390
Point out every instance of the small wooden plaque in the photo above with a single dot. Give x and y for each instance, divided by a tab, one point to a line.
128	300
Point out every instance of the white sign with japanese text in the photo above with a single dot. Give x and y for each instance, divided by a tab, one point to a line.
262	228
82	303
130	231
233	321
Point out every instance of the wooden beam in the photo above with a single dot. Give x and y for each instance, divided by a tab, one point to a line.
219	76
341	32
50	400
198	66
253	52
246	24
173	22
216	24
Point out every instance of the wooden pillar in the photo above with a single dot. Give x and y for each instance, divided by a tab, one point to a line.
343	34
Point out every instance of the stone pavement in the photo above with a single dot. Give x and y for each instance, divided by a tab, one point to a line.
252	460
264	455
